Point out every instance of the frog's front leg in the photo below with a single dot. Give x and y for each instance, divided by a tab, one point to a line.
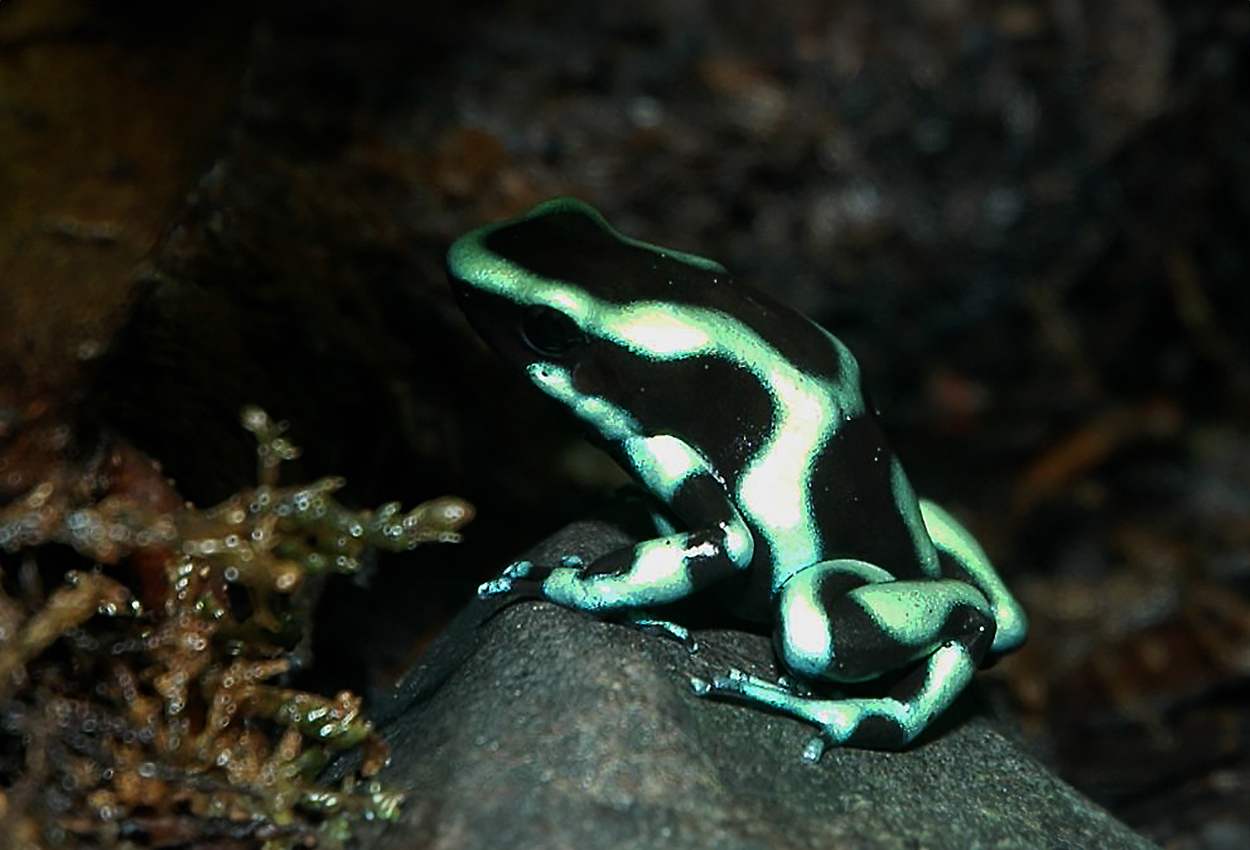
653	572
847	621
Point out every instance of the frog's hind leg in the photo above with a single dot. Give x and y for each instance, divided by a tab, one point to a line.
874	723
973	565
845	621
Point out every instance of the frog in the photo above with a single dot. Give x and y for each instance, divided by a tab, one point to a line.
750	424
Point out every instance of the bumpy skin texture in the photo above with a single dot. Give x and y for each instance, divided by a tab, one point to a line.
749	422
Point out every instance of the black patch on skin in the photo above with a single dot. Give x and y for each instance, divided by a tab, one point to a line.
952	568
973	629
615	563
725	414
909	686
524	588
496	319
720	411
707	570
703	570
830	595
861	650
984	629
702	501
707	402
835	586
878	733
853	494
569	246
748	595
566	245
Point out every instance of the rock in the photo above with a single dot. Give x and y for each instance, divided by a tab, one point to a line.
539	727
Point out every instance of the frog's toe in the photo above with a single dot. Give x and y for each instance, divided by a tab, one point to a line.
666	629
518	569
814	750
521	588
731	682
494	587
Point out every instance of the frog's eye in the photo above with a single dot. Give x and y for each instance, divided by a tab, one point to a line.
550	332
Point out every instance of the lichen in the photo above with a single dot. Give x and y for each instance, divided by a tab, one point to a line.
141	701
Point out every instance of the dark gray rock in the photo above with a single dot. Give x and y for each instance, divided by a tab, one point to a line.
540	727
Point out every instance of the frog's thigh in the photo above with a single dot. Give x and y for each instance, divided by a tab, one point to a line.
845	621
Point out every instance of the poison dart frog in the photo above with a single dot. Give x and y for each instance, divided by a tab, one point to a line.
749	422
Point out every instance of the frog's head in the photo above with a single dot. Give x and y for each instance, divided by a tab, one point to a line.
587	313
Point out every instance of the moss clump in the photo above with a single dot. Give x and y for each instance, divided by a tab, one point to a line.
140	696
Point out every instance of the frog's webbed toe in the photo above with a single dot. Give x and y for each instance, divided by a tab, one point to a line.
738	684
516	588
663	628
521	579
783	696
888	722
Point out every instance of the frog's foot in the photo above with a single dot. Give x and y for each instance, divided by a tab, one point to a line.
520	578
663	628
783	696
888	722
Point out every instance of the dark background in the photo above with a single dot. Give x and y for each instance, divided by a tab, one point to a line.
1027	218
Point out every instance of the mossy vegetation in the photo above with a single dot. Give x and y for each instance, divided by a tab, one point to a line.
143	649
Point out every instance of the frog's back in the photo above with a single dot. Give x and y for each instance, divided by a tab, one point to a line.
778	408
770	400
